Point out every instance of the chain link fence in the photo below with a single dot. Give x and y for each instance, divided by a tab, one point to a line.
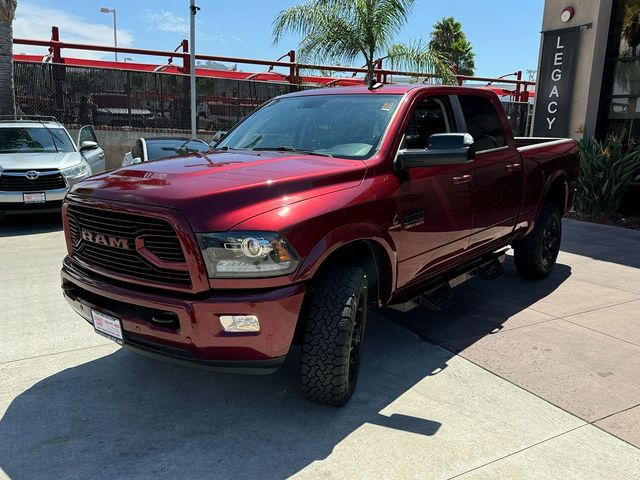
519	115
121	98
137	99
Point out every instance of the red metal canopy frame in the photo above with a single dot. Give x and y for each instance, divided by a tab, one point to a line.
522	92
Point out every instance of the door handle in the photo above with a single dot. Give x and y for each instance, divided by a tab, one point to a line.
513	167
461	179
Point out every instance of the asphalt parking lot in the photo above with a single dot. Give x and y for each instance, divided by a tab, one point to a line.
517	379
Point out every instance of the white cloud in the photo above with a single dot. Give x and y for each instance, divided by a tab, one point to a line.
165	21
34	22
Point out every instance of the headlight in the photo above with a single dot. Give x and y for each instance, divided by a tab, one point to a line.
247	254
80	170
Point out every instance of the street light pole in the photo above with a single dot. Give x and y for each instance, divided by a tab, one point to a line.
115	33
192	65
115	30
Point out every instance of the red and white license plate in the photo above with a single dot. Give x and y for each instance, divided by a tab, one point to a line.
34	197
107	326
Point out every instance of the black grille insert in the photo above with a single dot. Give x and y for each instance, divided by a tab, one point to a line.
110	244
20	181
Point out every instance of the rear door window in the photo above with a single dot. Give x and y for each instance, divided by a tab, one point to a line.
483	122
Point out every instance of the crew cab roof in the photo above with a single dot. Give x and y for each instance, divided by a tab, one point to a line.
392	89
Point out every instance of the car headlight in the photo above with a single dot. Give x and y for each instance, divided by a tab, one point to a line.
80	170
247	254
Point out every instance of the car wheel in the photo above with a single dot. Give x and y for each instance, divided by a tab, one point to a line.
535	255
334	328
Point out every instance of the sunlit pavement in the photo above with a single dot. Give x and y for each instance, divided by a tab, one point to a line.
516	380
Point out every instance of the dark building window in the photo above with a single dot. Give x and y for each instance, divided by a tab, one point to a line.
620	108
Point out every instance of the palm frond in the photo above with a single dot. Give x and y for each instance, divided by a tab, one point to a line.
420	58
344	30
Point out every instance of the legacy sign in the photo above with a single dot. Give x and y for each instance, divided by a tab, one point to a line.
555	83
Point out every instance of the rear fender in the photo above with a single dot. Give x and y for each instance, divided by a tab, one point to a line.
560	176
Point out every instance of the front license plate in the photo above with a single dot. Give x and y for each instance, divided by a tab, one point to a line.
34	197
107	326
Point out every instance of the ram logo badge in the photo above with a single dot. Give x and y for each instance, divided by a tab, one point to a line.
106	240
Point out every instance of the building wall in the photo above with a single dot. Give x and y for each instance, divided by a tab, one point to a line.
590	59
117	142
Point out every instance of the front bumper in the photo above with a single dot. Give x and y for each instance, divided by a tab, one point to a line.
195	337
13	202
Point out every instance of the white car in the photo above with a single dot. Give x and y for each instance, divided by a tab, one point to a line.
157	148
39	162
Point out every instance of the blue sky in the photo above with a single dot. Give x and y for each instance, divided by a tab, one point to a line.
505	34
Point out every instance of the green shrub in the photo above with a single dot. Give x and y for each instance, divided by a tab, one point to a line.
606	171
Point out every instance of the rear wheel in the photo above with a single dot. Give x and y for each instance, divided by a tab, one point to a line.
334	329
536	254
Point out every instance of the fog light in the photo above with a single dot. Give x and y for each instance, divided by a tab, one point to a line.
240	323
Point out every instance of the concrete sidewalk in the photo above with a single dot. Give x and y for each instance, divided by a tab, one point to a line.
572	339
538	377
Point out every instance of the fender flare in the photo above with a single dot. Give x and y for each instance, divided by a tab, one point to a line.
558	175
342	236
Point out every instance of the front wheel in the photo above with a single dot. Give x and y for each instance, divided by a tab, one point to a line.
535	255
334	329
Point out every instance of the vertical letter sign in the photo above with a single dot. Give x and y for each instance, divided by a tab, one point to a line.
555	83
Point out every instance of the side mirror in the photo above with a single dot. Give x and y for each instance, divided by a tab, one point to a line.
217	137
136	160
88	145
444	149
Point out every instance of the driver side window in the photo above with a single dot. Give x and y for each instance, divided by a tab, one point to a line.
429	117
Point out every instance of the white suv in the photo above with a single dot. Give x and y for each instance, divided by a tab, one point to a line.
39	162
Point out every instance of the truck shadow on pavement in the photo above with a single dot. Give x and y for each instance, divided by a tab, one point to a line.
482	307
12	226
125	416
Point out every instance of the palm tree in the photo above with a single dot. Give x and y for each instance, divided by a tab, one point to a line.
350	30
448	39
7	95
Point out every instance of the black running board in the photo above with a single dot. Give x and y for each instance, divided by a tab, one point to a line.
439	295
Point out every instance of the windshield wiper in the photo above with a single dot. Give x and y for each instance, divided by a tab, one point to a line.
225	149
286	148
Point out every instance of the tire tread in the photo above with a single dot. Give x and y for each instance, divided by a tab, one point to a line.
327	337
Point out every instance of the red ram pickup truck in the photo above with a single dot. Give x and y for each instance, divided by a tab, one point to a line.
315	207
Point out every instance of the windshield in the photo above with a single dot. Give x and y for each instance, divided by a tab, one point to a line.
158	149
34	140
348	126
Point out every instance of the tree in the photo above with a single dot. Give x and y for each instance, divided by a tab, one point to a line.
350	30
7	95
449	40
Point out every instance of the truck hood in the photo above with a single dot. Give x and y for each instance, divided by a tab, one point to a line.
217	190
36	161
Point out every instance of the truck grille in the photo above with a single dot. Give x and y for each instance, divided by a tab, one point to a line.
115	248
18	181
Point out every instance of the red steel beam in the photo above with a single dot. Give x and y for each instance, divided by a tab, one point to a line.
292	65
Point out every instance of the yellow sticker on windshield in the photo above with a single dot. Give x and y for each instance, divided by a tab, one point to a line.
387	106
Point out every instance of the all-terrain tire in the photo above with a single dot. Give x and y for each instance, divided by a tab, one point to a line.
535	255
334	327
